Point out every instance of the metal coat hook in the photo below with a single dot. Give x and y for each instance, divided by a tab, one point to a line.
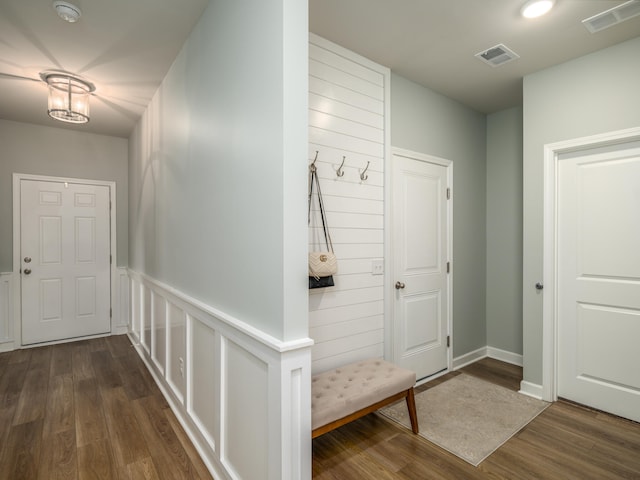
312	166
363	177
340	172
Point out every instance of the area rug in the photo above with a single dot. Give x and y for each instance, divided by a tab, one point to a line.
468	416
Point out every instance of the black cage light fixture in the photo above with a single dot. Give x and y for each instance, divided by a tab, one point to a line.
68	96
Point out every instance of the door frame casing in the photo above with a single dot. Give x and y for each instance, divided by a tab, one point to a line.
389	288
552	152
17	291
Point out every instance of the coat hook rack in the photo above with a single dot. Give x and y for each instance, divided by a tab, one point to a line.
340	172
363	177
312	166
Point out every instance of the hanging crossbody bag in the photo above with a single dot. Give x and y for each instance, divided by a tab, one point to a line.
322	264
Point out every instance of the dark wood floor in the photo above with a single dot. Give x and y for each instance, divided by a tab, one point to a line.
88	410
566	441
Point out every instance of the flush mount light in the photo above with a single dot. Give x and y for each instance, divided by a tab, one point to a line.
68	96
67	11
536	8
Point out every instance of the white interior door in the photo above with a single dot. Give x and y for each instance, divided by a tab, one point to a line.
65	260
599	281
420	250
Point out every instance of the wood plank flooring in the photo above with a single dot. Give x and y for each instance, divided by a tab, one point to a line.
566	441
88	410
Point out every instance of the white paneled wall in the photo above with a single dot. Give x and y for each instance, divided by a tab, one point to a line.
6	311
233	388
348	117
120	298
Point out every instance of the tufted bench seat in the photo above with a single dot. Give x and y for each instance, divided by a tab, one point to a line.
342	395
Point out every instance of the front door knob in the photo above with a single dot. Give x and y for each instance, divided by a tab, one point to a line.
27	271
399	285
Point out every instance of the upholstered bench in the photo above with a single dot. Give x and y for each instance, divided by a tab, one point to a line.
342	395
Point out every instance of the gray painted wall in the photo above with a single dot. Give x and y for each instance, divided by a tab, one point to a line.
504	230
594	94
38	150
217	185
426	122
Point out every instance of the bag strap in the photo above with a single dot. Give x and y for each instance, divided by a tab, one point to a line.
313	178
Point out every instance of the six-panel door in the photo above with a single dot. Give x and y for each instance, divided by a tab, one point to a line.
65	260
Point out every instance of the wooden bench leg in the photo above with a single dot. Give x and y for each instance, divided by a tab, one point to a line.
411	406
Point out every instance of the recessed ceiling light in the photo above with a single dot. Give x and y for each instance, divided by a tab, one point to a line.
67	11
536	8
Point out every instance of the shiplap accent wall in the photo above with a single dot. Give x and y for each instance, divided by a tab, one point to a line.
242	396
348	116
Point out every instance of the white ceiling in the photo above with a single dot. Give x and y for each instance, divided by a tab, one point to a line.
125	48
433	42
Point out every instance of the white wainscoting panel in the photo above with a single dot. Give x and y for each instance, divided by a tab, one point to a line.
6	311
348	117
242	396
202	385
121	307
176	350
135	298
145	323
245	412
159	331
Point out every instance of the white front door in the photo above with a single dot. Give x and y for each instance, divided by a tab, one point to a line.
65	260
599	280
420	256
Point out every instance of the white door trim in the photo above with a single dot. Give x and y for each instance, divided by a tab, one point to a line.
389	288
552	153
17	178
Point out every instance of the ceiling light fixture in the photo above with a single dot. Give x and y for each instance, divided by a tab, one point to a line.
68	96
67	11
536	8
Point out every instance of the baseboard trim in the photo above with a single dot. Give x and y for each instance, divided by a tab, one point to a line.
469	358
484	352
531	389
505	356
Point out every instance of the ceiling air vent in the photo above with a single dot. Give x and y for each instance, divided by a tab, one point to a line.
497	56
613	16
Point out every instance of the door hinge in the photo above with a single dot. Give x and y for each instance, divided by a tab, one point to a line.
110	259
448	341
111	313
448	267
448	193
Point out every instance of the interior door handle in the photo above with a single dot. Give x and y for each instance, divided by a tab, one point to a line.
27	271
399	285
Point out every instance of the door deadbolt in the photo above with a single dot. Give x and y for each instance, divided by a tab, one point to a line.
27	259
399	285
